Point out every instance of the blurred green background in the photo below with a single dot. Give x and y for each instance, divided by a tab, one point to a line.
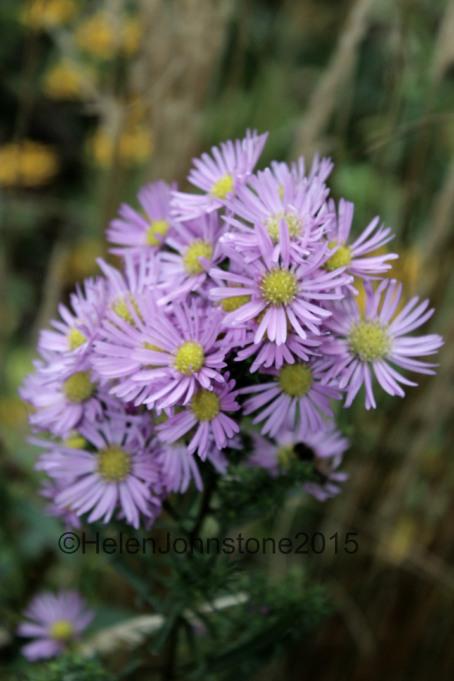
98	97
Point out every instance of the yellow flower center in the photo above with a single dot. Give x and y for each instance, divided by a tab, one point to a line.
279	287
295	379
198	249
294	225
285	455
114	464
78	387
222	187
157	228
75	338
232	304
122	308
75	441
61	630
369	341
205	405
190	358
341	258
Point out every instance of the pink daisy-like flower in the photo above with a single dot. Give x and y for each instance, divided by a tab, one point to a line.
295	398
371	345
54	621
79	321
354	258
206	416
284	209
165	357
140	275
195	250
280	295
134	232
62	396
219	175
121	474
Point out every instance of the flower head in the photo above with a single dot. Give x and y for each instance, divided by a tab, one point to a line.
54	621
355	257
295	398
363	347
219	175
281	295
134	232
165	357
114	471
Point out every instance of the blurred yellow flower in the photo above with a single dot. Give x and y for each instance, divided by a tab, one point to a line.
13	412
132	34
27	164
48	13
133	147
81	261
101	37
66	80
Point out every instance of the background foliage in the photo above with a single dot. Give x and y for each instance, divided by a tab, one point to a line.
98	97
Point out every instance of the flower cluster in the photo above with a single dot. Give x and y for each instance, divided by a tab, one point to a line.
237	300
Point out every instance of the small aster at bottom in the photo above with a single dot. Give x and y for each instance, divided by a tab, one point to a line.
54	621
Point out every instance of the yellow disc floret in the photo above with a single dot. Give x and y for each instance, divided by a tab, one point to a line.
189	358
234	303
369	341
294	225
341	258
75	441
157	228
295	379
198	249
78	387
75	338
114	464
61	630
222	187
205	405
279	287
122	307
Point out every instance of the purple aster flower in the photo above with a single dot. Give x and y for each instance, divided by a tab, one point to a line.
195	250
219	175
366	346
121	474
62	396
134	232
54	621
140	275
79	321
280	295
295	399
293	215
356	257
205	417
165	357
